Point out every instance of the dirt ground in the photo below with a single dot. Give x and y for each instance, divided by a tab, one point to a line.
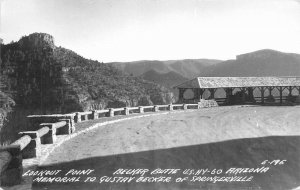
213	138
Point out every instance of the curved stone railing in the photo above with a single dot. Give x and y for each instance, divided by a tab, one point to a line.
45	128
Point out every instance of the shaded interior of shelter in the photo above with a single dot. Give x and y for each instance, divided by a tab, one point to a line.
239	153
235	96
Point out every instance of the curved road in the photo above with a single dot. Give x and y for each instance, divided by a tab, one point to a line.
215	138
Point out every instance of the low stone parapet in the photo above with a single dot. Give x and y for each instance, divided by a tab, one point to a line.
10	165
207	103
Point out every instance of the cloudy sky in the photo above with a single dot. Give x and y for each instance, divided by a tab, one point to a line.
127	30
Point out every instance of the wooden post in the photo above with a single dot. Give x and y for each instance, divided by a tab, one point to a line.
262	90
270	91
180	96
228	94
201	93
290	90
250	93
280	94
212	93
196	94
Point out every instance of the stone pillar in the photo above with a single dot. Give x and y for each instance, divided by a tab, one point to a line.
141	109
72	123
86	117
126	111
78	117
185	106
111	112
170	107
67	129
94	114
50	137
12	171
33	149
199	105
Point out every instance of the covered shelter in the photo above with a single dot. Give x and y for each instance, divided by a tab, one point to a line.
244	87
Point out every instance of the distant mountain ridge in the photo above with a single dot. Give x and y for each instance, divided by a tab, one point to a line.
187	68
264	62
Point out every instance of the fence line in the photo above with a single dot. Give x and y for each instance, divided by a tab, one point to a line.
47	127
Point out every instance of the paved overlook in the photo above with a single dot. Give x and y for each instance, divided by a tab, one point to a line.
211	138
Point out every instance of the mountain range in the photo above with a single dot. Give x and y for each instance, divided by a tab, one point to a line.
264	62
187	68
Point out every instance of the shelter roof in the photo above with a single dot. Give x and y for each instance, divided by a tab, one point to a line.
227	82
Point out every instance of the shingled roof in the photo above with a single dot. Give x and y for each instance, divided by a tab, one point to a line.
227	82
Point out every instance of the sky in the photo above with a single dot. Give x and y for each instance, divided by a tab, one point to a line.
129	30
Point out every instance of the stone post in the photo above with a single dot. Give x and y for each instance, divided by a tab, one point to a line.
78	117
126	111
185	106
200	104
50	137
67	129
33	149
111	112
94	114
170	107
141	109
86	117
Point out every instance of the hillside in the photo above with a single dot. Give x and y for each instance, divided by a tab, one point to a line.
42	79
187	68
259	63
165	79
